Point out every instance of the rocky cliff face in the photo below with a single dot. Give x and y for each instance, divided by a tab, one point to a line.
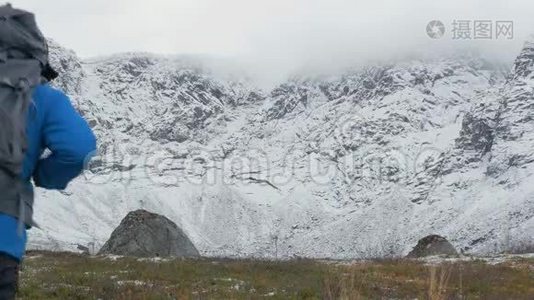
360	164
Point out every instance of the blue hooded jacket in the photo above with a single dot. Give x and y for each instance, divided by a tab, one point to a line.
53	124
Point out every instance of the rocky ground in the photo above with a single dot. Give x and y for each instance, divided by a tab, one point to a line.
71	276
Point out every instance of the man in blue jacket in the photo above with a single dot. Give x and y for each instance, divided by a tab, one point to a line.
52	124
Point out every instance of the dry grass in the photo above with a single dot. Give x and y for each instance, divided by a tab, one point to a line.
438	282
346	288
70	276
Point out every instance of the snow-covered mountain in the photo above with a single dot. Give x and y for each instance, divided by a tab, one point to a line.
359	164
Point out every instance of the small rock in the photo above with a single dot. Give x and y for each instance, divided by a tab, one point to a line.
83	249
432	245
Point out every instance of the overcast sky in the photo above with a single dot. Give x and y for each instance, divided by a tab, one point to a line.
273	33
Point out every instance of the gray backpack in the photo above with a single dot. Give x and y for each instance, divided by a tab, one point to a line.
23	56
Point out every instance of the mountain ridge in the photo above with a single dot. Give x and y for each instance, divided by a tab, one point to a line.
359	164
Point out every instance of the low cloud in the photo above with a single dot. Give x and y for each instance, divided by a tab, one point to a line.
277	37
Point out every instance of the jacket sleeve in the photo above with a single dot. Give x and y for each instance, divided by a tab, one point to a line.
68	136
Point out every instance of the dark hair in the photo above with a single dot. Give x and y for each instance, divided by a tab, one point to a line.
49	73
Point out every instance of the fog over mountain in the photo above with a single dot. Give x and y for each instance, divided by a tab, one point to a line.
327	129
274	39
360	162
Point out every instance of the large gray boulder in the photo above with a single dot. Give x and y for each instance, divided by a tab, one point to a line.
432	245
145	234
